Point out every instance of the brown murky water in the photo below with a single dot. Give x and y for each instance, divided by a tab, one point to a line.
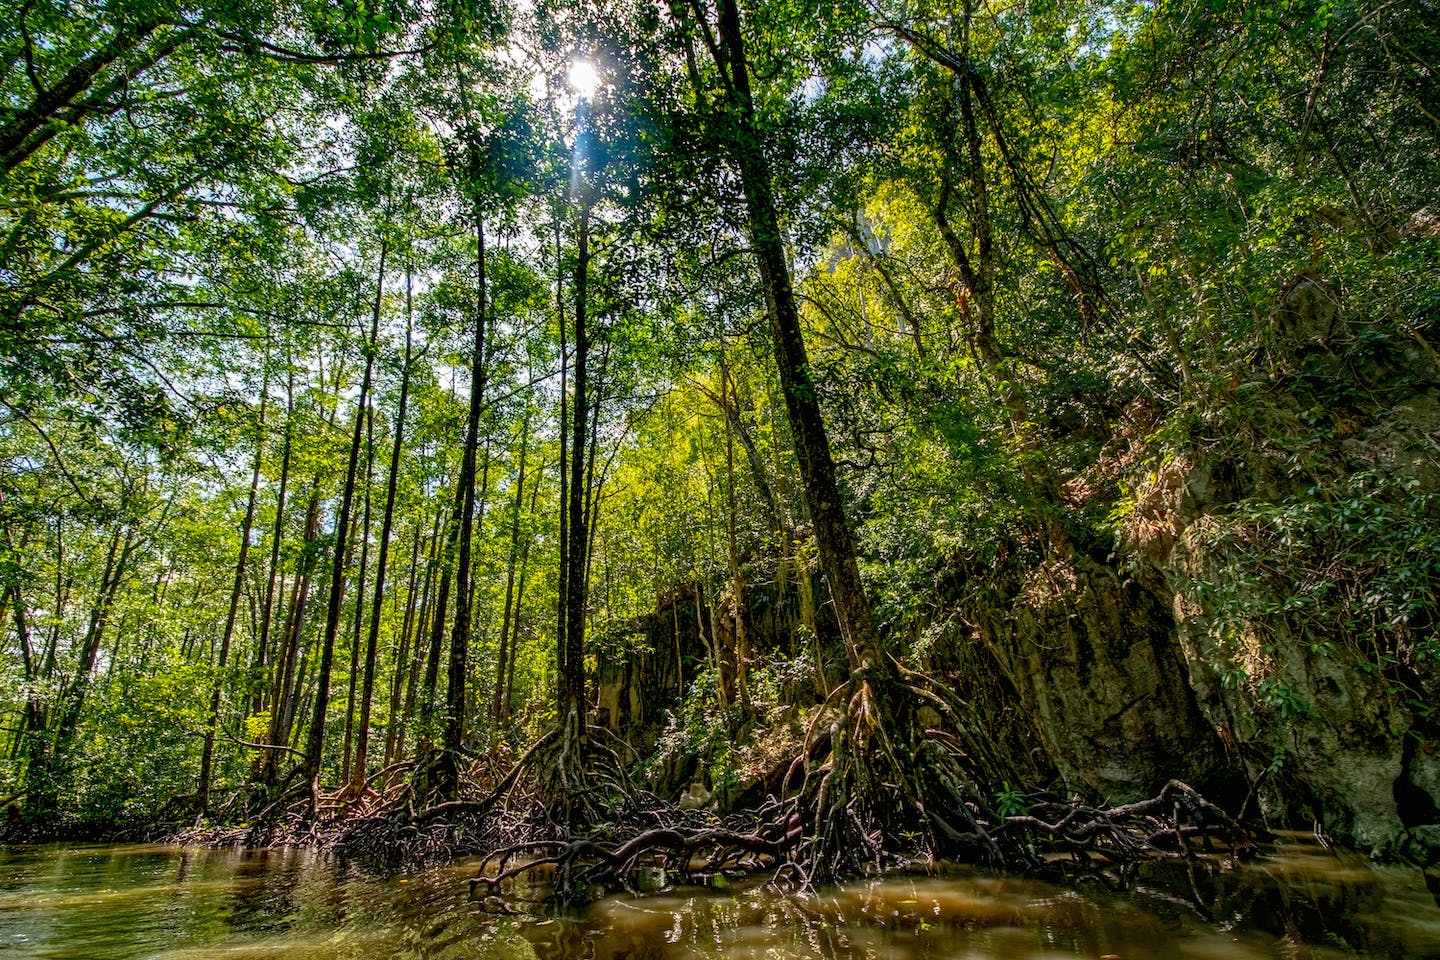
172	903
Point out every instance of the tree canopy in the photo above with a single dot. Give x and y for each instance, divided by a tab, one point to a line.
375	403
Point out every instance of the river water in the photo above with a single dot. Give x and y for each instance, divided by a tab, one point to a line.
152	902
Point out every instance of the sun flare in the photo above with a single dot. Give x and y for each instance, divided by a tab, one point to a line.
584	80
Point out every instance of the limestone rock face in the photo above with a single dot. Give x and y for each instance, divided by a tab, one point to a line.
1307	316
1099	673
1232	639
1332	714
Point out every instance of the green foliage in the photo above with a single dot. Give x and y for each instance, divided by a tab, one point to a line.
1350	564
698	730
141	748
1010	802
1037	246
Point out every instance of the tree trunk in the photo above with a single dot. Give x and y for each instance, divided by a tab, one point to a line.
314	745
507	705
448	772
812	444
562	612
505	652
362	739
571	691
737	577
207	752
32	719
885	782
359	624
400	651
267	612
50	756
285	690
432	563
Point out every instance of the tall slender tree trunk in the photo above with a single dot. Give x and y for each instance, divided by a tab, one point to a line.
315	743
572	663
408	658
507	705
285	689
448	772
32	716
372	640
49	761
739	614
277	536
504	652
207	753
591	503
882	780
359	624
562	612
400	650
436	628
32	719
302	700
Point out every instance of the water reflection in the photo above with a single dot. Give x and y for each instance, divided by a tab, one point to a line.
166	903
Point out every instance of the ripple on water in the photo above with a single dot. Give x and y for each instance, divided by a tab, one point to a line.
166	903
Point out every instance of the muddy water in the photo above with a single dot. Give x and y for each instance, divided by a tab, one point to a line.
167	902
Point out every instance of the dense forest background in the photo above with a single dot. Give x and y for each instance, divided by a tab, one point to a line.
375	396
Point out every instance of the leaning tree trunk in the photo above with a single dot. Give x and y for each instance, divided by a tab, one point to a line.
886	780
267	609
802	405
32	718
285	690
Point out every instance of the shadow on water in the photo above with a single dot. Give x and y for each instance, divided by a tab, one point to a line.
170	903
